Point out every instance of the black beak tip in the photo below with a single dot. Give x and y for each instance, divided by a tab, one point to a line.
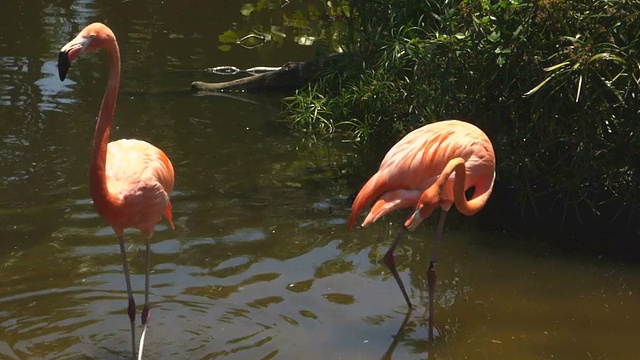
63	64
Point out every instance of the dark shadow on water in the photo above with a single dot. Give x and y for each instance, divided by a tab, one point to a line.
572	230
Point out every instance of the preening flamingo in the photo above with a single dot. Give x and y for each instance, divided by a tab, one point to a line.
130	180
430	167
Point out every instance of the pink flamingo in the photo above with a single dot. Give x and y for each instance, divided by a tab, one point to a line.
430	167
130	180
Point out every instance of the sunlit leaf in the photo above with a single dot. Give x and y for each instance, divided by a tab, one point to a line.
540	85
495	36
305	40
551	68
579	88
247	9
228	36
606	56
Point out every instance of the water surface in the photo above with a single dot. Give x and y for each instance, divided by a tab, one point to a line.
261	265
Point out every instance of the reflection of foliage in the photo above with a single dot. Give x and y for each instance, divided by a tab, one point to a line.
557	93
273	21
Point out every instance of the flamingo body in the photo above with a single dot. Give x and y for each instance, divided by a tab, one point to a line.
141	177
416	162
431	167
130	180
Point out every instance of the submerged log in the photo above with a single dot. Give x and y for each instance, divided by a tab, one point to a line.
290	76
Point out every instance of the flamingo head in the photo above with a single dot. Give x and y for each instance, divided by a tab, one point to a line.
92	37
429	201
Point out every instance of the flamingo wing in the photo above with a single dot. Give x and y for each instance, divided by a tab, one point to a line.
415	162
142	177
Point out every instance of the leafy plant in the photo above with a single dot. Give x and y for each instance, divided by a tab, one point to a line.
555	84
277	21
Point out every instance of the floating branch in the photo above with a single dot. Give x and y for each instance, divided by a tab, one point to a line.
290	76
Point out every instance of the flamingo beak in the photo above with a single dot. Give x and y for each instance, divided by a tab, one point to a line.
414	220
69	52
63	65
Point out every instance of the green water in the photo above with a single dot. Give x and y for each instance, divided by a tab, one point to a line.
261	265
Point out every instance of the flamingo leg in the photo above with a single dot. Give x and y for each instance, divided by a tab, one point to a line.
431	273
145	309
132	304
390	261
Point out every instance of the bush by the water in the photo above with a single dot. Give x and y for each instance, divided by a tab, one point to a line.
554	83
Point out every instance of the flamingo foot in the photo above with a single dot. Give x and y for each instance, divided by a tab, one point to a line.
431	283
132	316
145	315
389	260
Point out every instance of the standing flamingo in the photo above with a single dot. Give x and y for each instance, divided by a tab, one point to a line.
130	180
430	167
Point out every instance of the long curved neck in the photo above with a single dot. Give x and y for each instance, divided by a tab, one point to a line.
464	206
102	198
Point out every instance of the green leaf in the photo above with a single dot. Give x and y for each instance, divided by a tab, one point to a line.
495	36
540	85
579	88
606	56
228	36
247	9
551	68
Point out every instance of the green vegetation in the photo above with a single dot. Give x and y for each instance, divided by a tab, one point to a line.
555	84
278	21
